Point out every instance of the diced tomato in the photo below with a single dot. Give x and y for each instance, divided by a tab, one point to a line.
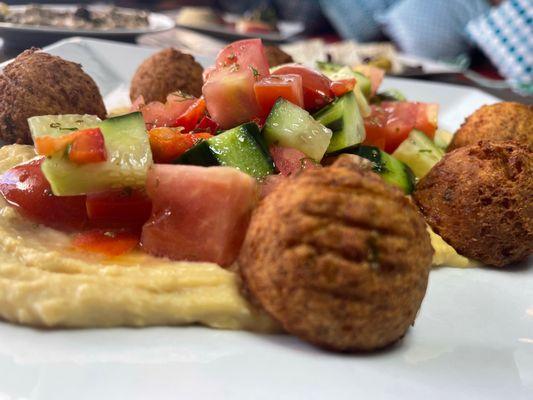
229	89
272	87
199	213
26	188
206	124
189	119
105	242
119	208
88	147
168	143
157	114
289	161
426	118
375	75
316	86
342	86
49	145
389	123
248	53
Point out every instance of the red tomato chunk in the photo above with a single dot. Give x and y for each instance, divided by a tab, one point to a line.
26	188
271	88
88	147
199	213
316	87
229	86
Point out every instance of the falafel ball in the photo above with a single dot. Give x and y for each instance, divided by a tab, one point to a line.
37	83
496	122
479	199
338	257
164	72
276	56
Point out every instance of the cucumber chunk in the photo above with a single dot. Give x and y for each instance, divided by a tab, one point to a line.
442	139
288	125
128	158
388	95
391	170
241	147
419	153
344	119
57	125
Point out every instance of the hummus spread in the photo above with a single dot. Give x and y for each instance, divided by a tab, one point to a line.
45	282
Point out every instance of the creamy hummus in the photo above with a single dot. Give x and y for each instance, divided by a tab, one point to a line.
45	282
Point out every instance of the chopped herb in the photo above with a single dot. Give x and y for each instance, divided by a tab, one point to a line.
255	72
424	151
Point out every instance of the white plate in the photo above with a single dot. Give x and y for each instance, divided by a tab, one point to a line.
32	35
472	340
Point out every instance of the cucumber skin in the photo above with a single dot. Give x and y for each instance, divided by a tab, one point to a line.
392	170
336	117
204	152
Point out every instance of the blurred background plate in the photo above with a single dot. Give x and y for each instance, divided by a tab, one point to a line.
32	35
287	30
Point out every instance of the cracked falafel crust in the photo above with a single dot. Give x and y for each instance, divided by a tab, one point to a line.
479	199
497	122
338	257
37	83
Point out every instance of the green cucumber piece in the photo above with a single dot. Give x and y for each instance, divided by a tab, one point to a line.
392	171
388	95
288	125
128	158
419	152
344	119
364	83
57	125
442	139
241	147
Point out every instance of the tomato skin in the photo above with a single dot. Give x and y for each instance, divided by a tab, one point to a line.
189	119
269	89
88	147
246	53
391	122
26	188
229	87
169	143
157	114
316	86
105	242
342	86
119	208
206	124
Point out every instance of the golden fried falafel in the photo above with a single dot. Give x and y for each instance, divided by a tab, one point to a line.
479	198
276	56
164	72
497	122
37	83
338	257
